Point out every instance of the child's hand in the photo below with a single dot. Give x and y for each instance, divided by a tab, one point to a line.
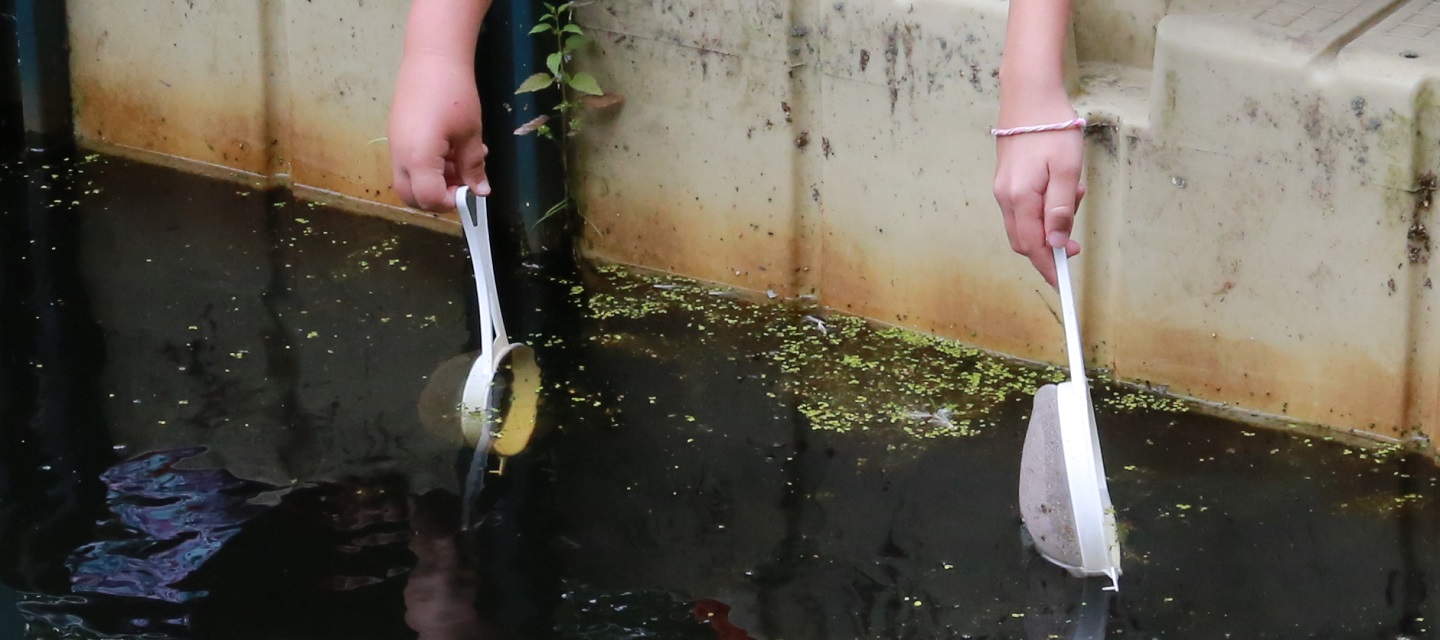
1037	183
1037	175
435	143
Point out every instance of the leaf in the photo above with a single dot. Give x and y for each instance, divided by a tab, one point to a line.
532	126
602	101
553	62
535	83
573	28
572	43
585	83
543	27
559	206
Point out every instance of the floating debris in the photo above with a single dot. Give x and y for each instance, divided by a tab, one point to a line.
844	374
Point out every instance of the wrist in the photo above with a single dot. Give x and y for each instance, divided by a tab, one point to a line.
1035	113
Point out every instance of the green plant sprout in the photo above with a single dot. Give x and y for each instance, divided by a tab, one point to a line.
578	91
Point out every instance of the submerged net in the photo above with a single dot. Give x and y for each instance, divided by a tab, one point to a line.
1045	503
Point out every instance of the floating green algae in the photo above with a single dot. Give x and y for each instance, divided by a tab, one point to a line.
1136	400
843	373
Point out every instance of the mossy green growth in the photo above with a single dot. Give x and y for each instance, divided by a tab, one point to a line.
1132	401
844	374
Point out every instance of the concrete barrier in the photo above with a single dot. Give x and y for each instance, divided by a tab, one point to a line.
283	91
1261	174
1260	181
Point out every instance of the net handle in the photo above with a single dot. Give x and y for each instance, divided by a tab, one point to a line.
1069	316
473	217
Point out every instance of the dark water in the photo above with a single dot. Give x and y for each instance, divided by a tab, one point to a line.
208	429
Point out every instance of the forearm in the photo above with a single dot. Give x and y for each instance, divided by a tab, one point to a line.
445	28
435	127
1032	68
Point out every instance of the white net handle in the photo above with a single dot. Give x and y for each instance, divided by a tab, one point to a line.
477	234
1094	516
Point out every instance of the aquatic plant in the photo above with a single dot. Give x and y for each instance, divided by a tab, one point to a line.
843	373
578	90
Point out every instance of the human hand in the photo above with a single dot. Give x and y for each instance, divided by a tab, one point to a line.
1037	184
435	131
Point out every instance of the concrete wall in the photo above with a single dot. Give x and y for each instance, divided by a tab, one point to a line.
1260	182
291	90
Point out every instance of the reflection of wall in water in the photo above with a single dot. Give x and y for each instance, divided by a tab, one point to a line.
282	337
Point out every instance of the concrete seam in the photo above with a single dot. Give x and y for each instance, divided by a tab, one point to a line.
275	61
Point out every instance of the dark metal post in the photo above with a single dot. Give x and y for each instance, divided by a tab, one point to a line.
525	172
42	37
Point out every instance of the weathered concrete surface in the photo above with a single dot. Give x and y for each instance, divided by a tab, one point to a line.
1261	175
173	79
290	91
1256	232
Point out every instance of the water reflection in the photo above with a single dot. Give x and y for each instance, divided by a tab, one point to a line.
168	522
11	624
1062	607
208	436
441	589
52	434
187	549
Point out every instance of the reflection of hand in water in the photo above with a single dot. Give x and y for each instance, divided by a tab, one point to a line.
440	592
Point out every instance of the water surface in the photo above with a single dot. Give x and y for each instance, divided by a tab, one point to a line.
208	429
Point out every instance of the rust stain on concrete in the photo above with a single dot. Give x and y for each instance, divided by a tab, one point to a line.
717	246
942	296
337	164
1334	385
221	127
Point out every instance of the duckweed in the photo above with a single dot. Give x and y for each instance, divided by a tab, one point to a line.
1144	401
845	374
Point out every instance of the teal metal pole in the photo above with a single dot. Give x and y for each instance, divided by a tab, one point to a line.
526	173
42	38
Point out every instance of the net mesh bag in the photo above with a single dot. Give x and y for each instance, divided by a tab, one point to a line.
1045	503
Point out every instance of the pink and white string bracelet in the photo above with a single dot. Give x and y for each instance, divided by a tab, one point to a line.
1077	123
